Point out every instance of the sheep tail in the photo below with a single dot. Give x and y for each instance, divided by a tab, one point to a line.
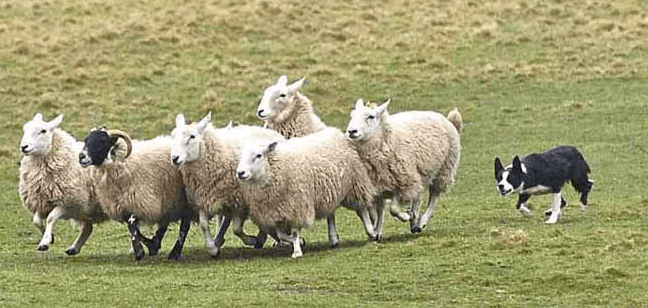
455	118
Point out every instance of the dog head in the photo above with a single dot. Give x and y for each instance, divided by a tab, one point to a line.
510	178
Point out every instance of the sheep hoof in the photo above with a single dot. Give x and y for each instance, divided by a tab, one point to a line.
416	229
42	247
174	255
71	251
334	243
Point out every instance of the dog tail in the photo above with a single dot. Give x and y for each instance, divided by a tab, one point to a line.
455	118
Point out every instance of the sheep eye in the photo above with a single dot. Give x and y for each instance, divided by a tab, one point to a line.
258	156
192	136
43	131
282	95
371	117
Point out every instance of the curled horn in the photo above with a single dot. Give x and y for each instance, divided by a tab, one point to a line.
120	134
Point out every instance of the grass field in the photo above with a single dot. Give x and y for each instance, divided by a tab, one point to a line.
526	76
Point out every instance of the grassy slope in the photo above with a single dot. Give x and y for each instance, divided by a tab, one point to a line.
526	75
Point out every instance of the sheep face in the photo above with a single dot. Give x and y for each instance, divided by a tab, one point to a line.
252	162
37	135
187	140
277	97
96	148
365	121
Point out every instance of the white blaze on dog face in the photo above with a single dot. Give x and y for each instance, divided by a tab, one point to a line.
277	97
187	140
509	178
37	135
365	120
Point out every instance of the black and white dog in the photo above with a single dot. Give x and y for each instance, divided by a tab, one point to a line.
541	173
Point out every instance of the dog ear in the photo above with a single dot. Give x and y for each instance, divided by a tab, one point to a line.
517	165
498	166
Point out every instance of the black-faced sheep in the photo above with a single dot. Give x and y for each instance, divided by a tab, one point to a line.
141	185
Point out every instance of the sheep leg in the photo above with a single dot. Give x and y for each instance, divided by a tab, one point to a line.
185	224
155	243
380	206
86	230
222	228
431	205
48	237
203	220
293	238
38	222
414	215
396	212
238	231
365	217
333	237
136	240
373	215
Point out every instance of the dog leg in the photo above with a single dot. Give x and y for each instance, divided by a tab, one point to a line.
555	209
521	205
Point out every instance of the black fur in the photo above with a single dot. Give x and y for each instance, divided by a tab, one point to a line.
97	146
551	169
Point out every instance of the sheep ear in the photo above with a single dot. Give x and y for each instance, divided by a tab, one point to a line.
271	147
38	117
359	104
203	123
294	87
180	120
282	80
56	122
383	107
498	166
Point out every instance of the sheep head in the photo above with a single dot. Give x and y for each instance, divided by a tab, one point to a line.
187	140
100	143
252	162
365	120
37	135
277	97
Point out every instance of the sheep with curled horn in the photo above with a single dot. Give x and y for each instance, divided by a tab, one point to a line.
52	185
138	183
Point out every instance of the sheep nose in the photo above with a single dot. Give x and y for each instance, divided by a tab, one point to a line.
175	160
23	148
82	156
352	132
260	113
241	175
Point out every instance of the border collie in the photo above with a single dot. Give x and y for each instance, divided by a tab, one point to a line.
542	173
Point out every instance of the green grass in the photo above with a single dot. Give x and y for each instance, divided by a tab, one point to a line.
526	75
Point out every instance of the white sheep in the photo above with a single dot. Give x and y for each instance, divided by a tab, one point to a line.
286	110
406	153
141	185
207	160
52	185
294	182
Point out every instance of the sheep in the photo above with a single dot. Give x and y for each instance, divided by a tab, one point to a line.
286	110
142	185
52	185
406	153
293	182
206	158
